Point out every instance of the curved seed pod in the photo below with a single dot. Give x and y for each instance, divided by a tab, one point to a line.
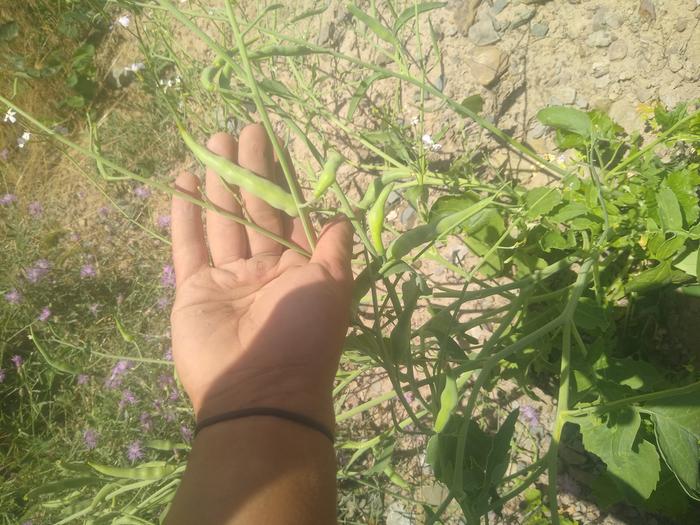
135	472
413	238
375	219
206	77
330	169
232	173
371	194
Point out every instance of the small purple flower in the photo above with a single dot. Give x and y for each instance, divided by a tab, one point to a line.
44	314
17	360
128	398
408	397
163	221
4	154
87	271
530	415
174	395
186	433
2	375
168	354
168	277
163	303
142	192
35	209
90	439
94	308
82	379
38	271
13	297
116	376
103	211
145	420
134	451
165	380
8	198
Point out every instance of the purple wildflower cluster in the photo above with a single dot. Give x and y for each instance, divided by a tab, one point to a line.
13	296
163	221
186	433
82	379
35	209
87	271
117	374
90	439
38	271
146	421
103	211
530	415
17	361
142	192
134	451
7	199
128	398
168	276
44	314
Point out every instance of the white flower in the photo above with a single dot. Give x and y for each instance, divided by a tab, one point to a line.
23	139
415	121
124	20
135	67
10	116
436	147
427	140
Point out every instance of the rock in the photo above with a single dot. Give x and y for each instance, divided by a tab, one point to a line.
483	33
681	25
563	96
600	38
521	15
647	10
625	74
498	6
540	29
408	217
465	14
624	112
617	50
601	81
393	198
604	18
536	131
397	514
581	102
675	63
488	64
600	69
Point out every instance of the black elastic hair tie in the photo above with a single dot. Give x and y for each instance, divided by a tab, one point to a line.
265	411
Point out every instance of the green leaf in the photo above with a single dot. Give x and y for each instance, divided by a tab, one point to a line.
667	119
374	25
473	103
690	264
540	201
143	472
570	211
638	469
684	184
566	119
401	334
553	240
410	12
677	427
669	210
8	31
309	13
656	277
449	398
589	315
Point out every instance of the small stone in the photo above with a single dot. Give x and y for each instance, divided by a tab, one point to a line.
581	102
483	33
602	81
681	25
487	64
625	74
408	217
617	50
675	63
536	131
540	29
647	10
600	69
498	6
600	38
393	198
624	112
522	15
465	14
563	96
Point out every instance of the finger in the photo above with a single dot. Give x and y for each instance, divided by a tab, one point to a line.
189	248
227	239
255	153
334	249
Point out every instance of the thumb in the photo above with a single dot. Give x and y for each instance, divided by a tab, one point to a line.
334	249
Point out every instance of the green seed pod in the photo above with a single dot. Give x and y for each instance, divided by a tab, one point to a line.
206	78
375	219
371	194
330	170
134	473
267	190
448	401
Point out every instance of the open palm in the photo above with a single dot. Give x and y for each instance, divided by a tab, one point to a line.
261	325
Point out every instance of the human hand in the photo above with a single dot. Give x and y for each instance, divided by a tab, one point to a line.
262	325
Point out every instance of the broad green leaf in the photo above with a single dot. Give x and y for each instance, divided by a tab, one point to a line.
374	25
589	315
410	12
540	201
690	264
473	103
662	246
669	210
566	119
656	277
570	211
499	456
684	184
677	427
614	444
553	240
449	398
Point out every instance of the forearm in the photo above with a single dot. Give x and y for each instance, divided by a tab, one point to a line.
257	470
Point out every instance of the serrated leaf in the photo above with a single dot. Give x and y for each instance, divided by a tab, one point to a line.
566	119
634	469
540	201
669	210
410	12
